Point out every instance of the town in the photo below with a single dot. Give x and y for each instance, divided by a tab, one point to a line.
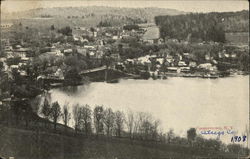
63	53
37	59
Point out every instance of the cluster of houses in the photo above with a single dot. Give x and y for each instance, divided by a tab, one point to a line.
180	63
19	53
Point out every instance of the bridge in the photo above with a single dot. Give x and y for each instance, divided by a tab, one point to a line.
93	70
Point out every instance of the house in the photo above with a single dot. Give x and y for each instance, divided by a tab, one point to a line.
192	64
130	61
169	60
214	62
18	46
115	37
12	67
89	47
185	69
59	74
144	60
84	41
92	54
160	60
174	69
186	55
233	55
23	73
22	52
182	63
207	57
207	66
25	59
82	51
226	55
67	51
99	54
108	34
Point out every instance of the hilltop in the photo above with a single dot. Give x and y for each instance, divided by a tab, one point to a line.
91	16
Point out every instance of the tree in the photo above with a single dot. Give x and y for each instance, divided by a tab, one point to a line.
86	118
98	119
130	123
119	121
66	115
155	131
55	113
170	135
67	31
46	109
52	27
191	134
72	76
77	117
108	120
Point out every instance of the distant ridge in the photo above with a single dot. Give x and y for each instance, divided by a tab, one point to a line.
94	14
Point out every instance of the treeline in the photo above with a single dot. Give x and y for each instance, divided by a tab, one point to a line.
104	121
115	20
202	27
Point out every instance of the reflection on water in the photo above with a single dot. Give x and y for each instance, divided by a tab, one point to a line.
180	103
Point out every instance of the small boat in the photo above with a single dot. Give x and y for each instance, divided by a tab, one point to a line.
113	81
164	77
210	76
190	75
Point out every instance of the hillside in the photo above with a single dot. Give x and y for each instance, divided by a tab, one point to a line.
203	26
24	144
90	16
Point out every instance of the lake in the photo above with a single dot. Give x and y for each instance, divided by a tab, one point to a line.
180	103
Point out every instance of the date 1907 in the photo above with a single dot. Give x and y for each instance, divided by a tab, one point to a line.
239	138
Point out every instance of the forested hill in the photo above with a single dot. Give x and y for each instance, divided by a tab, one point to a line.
94	15
203	26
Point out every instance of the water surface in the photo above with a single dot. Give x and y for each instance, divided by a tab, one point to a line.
180	103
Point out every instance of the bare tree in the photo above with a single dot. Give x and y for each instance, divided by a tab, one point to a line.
46	109
98	119
77	117
146	126
155	131
86	118
130	123
170	135
138	124
109	120
119	121
191	135
55	113
66	115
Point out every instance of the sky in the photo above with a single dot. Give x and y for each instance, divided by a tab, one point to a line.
182	5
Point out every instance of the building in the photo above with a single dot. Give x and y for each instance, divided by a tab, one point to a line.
182	63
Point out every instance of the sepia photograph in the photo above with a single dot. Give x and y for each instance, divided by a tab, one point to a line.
123	79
